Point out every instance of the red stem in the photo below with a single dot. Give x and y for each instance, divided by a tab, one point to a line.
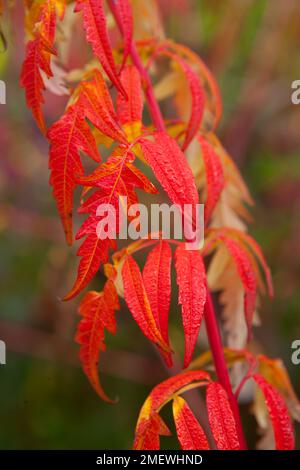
210	318
214	338
148	89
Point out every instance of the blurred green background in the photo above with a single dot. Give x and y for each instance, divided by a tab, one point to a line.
252	47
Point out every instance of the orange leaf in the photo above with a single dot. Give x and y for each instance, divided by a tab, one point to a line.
119	168
97	106
98	313
221	418
279	414
191	280
38	55
274	371
189	432
115	179
68	136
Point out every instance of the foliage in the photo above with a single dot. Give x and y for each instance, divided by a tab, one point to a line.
191	165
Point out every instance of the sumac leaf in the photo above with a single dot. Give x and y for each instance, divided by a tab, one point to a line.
196	92
97	106
279	414
38	57
98	313
115	179
260	256
95	26
93	253
198	101
214	176
191	280
171	168
157	281
125	10
118	170
221	418
247	276
189	431
138	303
68	136
130	108
145	436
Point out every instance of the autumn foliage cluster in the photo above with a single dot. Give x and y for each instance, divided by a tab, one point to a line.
114	108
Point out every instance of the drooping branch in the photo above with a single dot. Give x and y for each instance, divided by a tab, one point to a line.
210	318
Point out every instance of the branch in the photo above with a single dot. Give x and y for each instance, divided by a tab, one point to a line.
210	318
148	89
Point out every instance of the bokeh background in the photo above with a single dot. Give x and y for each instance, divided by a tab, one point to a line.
252	47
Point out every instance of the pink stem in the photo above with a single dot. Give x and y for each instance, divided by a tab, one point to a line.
210	318
220	364
148	89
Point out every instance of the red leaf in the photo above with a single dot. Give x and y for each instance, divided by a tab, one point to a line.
38	56
138	302
213	97
115	178
221	418
189	432
214	176
248	278
93	253
260	256
196	90
124	7
97	106
94	21
98	313
279	414
147	432
147	437
130	108
191	280
70	135
166	389
157	281
198	100
171	168
119	168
